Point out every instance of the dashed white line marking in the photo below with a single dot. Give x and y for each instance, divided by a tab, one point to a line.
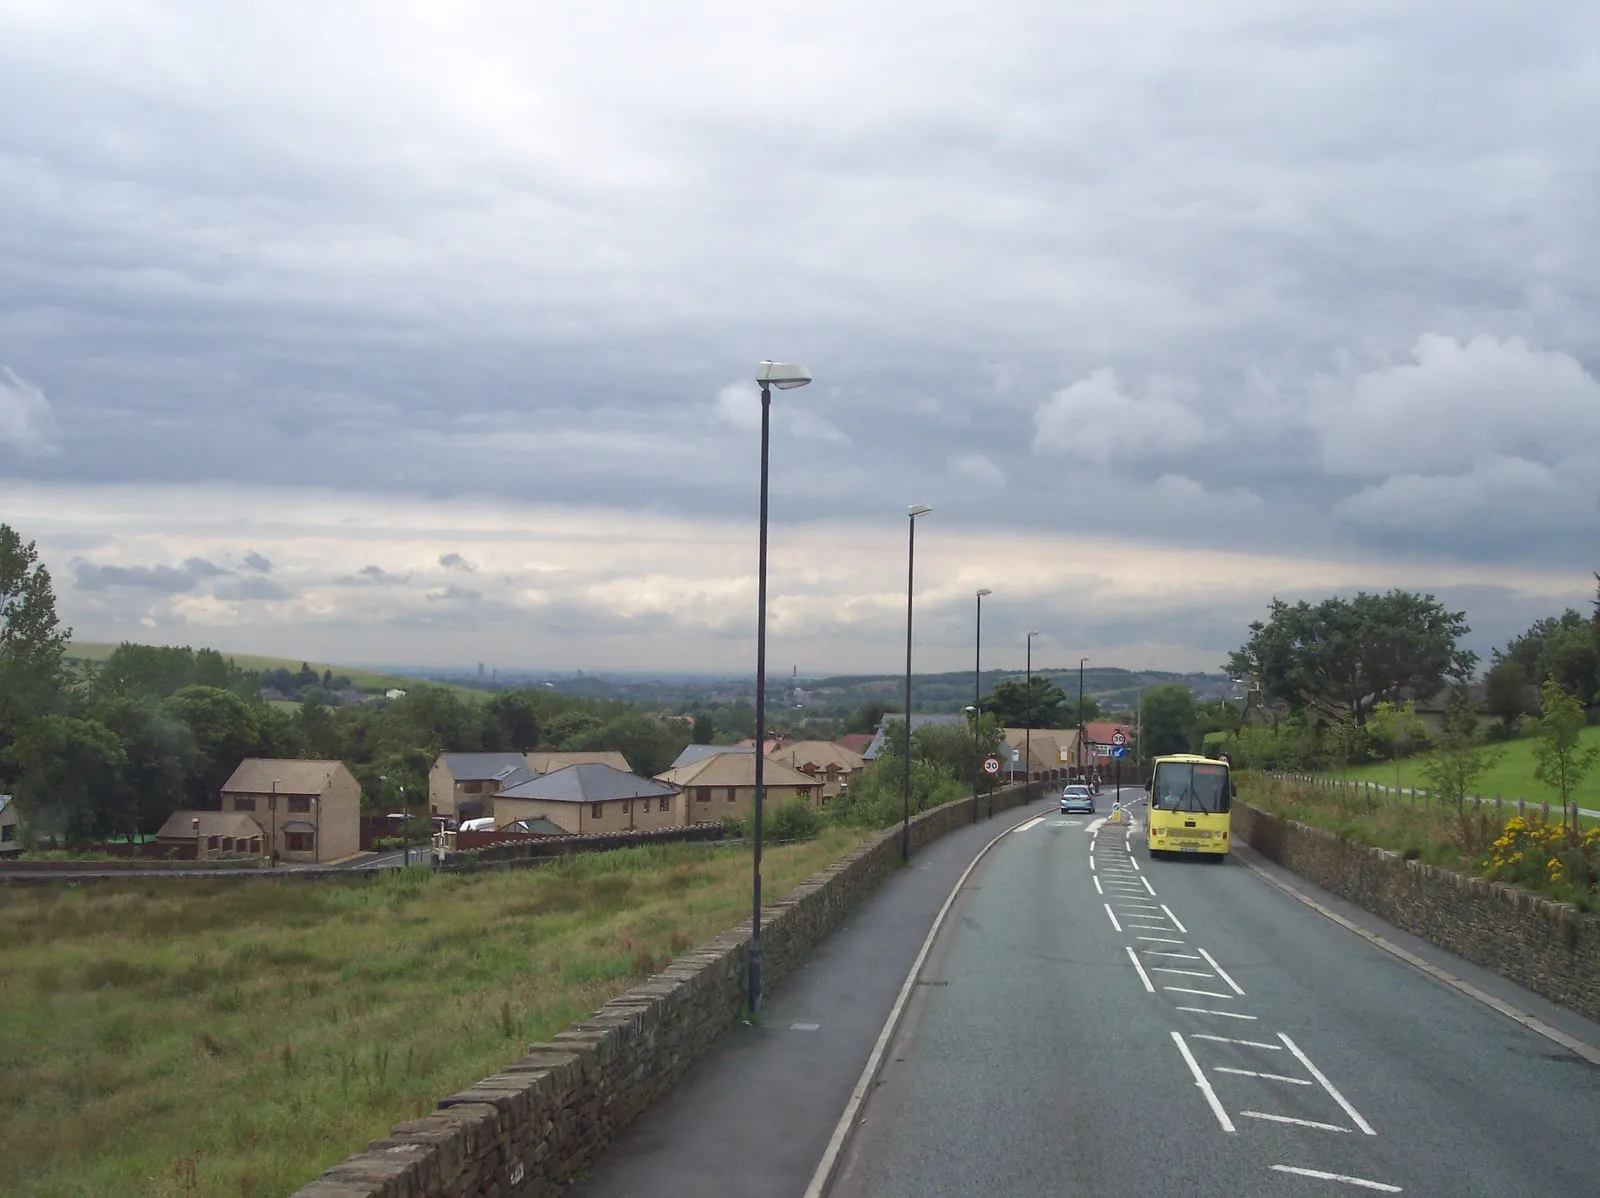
1099	889
1271	1077
1296	1122
804	1027
1091	861
1202	993
1205	1086
1176	922
1132	862
1160	939
1143	976
1113	916
1355	1116
1188	973
1156	952
1147	885
1231	1040
1222	973
1224	1014
1381	1186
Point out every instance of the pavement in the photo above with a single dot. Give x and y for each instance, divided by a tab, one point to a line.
1096	1022
754	1115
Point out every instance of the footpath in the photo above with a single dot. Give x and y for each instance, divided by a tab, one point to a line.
753	1116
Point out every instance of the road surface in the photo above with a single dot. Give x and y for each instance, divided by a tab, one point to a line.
1095	1022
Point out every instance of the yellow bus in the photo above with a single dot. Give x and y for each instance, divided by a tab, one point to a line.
1189	798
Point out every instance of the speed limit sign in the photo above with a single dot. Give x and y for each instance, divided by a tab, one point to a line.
1117	738
991	765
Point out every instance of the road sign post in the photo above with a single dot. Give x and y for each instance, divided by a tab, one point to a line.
991	765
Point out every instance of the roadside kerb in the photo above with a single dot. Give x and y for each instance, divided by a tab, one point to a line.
532	1127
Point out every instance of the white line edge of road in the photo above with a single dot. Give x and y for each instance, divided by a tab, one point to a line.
1382	1187
822	1178
1573	1045
1205	1086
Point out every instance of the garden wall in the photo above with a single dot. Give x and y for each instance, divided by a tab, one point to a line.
531	1128
1551	948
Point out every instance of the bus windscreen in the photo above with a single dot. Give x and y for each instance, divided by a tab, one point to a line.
1190	786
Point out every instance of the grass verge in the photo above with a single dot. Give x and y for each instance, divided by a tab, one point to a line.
189	1037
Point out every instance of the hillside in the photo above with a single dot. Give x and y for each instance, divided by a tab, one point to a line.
1510	777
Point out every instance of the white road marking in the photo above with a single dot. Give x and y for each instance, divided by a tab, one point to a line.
1140	921
1156	952
1161	939
1381	1186
1271	1077
1132	862
1224	1014
1231	1040
1147	885
1113	916
1032	823
1143	976
1140	907
1091	861
1222	973
1205	1086
1176	922
1099	889
1188	973
1296	1122
804	1027
1355	1116
1202	993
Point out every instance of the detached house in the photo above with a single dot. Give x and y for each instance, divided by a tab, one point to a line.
10	835
308	810
831	764
462	786
724	784
588	798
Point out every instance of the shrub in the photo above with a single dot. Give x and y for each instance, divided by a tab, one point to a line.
795	819
1532	852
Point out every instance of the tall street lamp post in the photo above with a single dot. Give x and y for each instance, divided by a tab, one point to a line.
1027	735
912	512
783	376
977	708
1082	753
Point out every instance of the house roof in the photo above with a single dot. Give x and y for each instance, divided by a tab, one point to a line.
856	742
539	825
1099	732
693	753
590	782
1045	745
481	767
255	775
180	825
929	719
734	769
544	763
819	754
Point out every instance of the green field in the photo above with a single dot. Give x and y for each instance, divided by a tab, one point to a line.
236	1038
1510	777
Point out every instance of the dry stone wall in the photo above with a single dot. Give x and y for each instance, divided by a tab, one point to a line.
531	1128
1551	948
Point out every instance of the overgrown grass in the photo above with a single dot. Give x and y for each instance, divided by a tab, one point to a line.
195	1037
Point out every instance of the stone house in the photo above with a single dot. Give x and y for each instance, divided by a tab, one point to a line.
832	765
591	797
462	786
724	784
213	834
310	811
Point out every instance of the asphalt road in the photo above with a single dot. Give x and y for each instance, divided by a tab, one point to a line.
1139	1027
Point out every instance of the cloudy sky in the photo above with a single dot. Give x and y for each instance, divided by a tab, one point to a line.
421	332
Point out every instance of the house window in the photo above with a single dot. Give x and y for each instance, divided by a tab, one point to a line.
702	794
627	806
803	792
665	803
255	845
9	832
733	793
227	844
244	802
299	842
300	803
597	811
212	842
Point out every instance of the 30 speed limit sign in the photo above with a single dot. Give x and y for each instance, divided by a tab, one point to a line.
1118	738
991	765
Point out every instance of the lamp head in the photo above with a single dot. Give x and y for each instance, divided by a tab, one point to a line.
782	375
918	509
982	591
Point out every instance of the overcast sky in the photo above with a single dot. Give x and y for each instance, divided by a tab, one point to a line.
422	332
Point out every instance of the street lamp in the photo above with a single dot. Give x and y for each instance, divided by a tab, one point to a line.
1027	735
912	512
272	820
783	376
977	707
1081	754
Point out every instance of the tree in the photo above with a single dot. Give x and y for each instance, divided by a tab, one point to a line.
868	716
1346	740
1167	714
1561	760
1460	758
1396	728
1347	655
64	767
518	717
159	756
704	729
32	641
1507	693
1018	706
225	731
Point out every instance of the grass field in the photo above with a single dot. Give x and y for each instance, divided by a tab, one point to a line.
236	1038
1511	776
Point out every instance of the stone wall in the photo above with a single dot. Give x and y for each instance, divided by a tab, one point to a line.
1551	948
532	1127
499	848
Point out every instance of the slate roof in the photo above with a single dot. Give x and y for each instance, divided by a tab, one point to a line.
482	767
694	753
180	825
590	782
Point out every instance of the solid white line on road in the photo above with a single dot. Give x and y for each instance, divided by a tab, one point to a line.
1099	889
1143	976
1188	973
1586	1051
1205	1086
1296	1122
1160	939
1231	1040
1202	993
1156	952
830	1157
1355	1115
1176	922
1147	885
1113	916
1381	1186
1142	921
1138	906
1271	1077
1224	1014
1222	973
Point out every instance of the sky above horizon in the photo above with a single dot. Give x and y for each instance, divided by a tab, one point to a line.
423	333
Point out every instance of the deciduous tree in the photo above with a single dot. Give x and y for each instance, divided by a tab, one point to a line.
1562	761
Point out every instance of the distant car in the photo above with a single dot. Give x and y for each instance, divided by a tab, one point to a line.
1077	797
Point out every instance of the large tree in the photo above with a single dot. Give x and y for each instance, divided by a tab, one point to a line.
1018	706
1345	656
1167	714
32	641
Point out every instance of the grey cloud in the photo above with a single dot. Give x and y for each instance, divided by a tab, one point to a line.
26	421
171	580
248	589
454	594
254	561
454	561
374	576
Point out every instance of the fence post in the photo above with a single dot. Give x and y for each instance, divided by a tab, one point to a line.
1522	807
1544	810
1497	804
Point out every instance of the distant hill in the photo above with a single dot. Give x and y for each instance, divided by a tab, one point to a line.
1111	687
